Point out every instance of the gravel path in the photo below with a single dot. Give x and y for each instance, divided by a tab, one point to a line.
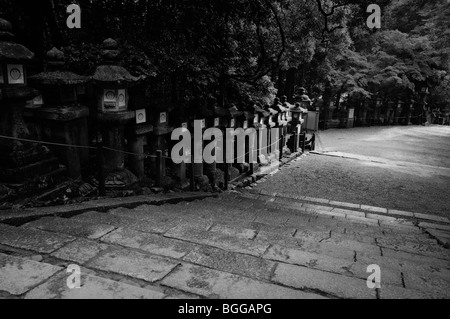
404	178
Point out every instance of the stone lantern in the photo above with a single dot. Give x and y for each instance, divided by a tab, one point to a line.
362	111
111	83
377	111
295	124
305	104
398	112
425	110
20	160
61	115
181	119
409	112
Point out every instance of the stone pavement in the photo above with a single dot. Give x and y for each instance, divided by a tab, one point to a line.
240	245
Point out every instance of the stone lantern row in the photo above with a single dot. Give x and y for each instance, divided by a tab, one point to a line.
62	117
57	109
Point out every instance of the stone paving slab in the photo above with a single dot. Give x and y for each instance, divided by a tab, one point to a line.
132	223
218	240
239	232
71	227
374	209
363	220
345	267
424	278
19	275
336	243
260	227
432	218
239	264
272	218
282	238
154	222
333	284
394	292
151	243
32	239
435	226
80	251
438	233
416	247
221	285
349	212
316	248
400	227
133	264
365	238
311	235
382	218
400	213
92	287
401	256
348	205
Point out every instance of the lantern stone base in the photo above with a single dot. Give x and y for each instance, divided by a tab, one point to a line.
120	179
67	125
136	136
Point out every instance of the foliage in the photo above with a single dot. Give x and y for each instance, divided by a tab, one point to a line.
234	50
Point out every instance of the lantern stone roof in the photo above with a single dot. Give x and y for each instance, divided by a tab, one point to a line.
234	111
114	74
10	51
55	75
221	112
109	72
305	98
58	78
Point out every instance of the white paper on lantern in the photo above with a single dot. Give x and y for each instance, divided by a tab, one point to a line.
122	97
184	125
15	74
110	96
203	123
233	123
216	122
351	113
2	81
245	125
38	101
163	118
271	119
141	116
256	119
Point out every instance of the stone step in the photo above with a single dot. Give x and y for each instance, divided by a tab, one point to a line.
19	275
92	287
133	264
216	284
266	227
33	239
72	227
221	240
345	208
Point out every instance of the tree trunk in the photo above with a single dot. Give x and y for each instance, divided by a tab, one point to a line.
290	84
281	82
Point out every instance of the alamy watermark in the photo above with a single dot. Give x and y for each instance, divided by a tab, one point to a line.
74	279
246	152
374	280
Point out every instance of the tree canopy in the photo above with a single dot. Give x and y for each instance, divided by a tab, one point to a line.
228	51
